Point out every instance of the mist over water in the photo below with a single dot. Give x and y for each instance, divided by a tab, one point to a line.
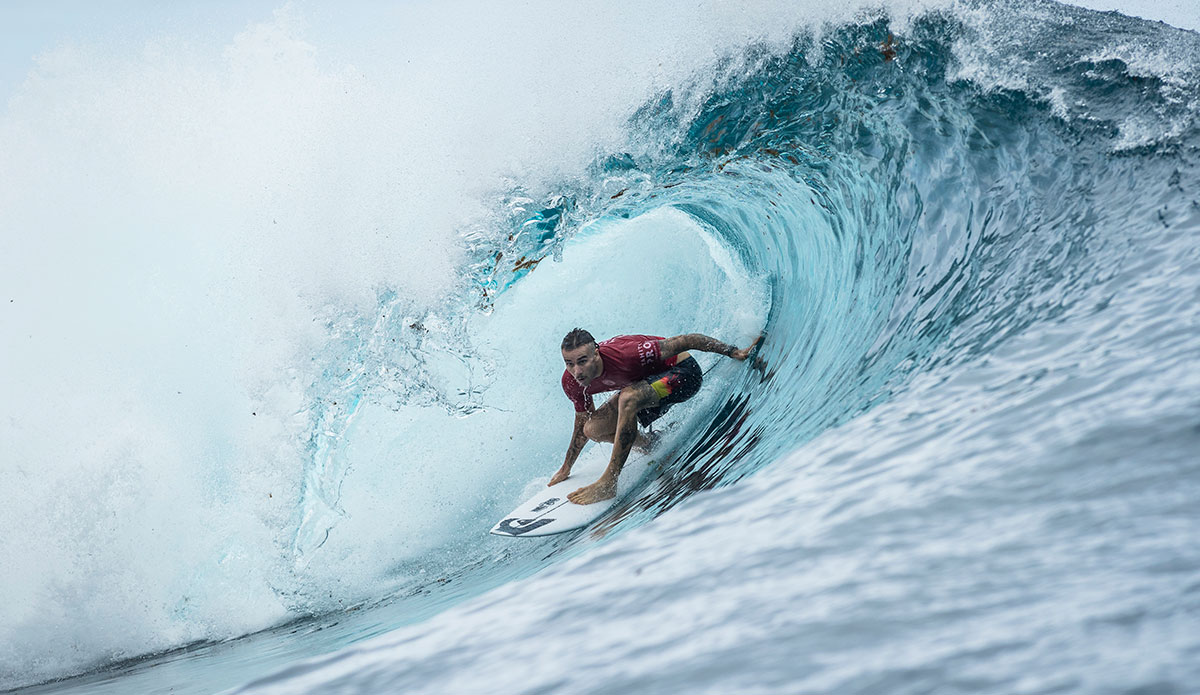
280	326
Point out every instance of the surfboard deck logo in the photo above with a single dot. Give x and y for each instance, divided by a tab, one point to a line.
516	527
548	503
549	512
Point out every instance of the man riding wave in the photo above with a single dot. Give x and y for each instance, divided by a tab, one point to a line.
652	373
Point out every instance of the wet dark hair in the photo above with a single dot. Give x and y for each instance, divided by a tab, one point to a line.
576	338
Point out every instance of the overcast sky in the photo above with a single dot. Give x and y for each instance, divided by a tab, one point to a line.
30	27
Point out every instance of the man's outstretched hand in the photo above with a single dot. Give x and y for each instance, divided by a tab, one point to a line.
741	355
562	474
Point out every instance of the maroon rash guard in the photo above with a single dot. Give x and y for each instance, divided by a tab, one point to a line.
626	358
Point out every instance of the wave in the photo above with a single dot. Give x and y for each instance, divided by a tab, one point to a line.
329	409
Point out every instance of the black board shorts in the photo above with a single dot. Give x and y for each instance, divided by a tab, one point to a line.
675	385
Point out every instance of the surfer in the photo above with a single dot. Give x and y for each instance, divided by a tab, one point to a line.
652	373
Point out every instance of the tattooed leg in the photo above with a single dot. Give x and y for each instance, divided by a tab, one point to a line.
632	399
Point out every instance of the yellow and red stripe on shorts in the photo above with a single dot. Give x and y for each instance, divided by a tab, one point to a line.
663	387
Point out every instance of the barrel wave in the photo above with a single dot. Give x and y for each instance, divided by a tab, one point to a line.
961	460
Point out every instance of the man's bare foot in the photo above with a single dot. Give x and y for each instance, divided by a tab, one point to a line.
561	475
596	492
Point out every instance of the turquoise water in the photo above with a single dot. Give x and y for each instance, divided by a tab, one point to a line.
965	463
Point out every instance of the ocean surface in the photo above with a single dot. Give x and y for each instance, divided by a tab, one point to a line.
283	293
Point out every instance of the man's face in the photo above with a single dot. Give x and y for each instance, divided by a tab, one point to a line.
583	363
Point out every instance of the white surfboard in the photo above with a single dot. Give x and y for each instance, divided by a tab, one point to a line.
549	512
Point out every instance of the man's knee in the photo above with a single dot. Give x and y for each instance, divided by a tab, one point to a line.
632	398
590	429
597	429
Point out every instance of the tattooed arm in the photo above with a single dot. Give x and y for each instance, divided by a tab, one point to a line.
578	439
703	343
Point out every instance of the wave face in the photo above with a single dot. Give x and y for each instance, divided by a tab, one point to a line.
965	460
